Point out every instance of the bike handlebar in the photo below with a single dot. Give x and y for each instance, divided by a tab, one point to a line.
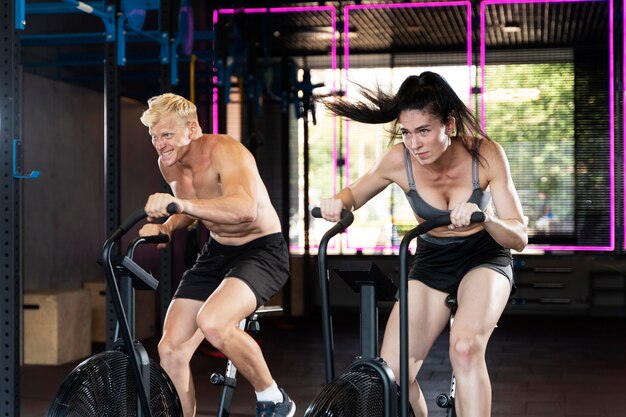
172	208
346	220
346	217
156	239
443	220
112	285
135	218
127	224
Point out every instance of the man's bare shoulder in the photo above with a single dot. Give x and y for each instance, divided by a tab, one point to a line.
221	142
224	146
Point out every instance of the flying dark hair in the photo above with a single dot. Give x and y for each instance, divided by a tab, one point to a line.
428	92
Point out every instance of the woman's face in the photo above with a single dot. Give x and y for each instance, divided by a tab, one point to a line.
424	135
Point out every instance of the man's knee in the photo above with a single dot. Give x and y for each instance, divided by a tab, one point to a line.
173	356
215	331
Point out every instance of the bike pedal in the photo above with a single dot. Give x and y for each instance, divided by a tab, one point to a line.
217	379
445	401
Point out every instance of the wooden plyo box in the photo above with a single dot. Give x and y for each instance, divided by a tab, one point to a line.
144	312
57	326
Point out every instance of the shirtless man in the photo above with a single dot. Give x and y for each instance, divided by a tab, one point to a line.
215	180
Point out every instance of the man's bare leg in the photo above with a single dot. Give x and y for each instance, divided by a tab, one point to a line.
231	302
181	337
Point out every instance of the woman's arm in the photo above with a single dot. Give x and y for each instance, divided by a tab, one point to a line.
364	188
508	228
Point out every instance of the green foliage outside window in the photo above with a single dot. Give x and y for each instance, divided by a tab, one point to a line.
529	110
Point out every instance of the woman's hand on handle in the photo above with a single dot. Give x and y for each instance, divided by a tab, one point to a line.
461	215
331	209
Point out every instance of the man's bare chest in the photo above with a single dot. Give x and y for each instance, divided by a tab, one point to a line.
199	185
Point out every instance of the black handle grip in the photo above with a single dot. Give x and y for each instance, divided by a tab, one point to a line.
346	217
172	208
156	239
444	220
317	213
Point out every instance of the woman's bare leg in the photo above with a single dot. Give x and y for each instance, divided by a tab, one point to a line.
482	296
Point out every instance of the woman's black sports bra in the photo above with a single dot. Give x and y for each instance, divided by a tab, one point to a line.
426	211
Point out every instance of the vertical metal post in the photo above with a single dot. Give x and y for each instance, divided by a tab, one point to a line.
166	291
112	185
285	186
10	273
369	320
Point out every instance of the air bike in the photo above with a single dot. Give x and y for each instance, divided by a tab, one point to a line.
368	387
122	381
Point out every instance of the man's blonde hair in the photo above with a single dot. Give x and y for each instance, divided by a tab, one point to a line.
168	103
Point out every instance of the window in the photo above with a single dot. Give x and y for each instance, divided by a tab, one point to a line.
559	153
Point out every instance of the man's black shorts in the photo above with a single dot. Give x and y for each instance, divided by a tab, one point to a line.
263	264
441	263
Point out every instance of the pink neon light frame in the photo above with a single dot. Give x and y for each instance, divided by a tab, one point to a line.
486	3
333	64
301	9
346	30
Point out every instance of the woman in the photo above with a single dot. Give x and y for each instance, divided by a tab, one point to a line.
445	163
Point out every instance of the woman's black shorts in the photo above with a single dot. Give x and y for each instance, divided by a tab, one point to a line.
263	264
441	263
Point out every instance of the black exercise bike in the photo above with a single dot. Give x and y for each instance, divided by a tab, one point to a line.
368	387
122	381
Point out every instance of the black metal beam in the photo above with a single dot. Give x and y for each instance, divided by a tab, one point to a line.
10	273
112	184
166	290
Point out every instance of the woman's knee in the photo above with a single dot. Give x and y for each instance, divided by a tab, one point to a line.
466	349
393	362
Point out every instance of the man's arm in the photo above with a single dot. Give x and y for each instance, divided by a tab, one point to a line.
239	179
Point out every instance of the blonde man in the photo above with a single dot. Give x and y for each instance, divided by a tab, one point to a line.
215	180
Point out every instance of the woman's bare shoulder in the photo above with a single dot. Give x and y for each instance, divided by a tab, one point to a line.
494	158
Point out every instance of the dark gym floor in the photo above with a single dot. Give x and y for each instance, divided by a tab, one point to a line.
539	367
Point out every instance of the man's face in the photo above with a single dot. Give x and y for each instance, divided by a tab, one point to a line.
169	135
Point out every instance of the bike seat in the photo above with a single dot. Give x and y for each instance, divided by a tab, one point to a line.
252	326
265	310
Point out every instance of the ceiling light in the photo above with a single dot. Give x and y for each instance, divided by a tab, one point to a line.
511	27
